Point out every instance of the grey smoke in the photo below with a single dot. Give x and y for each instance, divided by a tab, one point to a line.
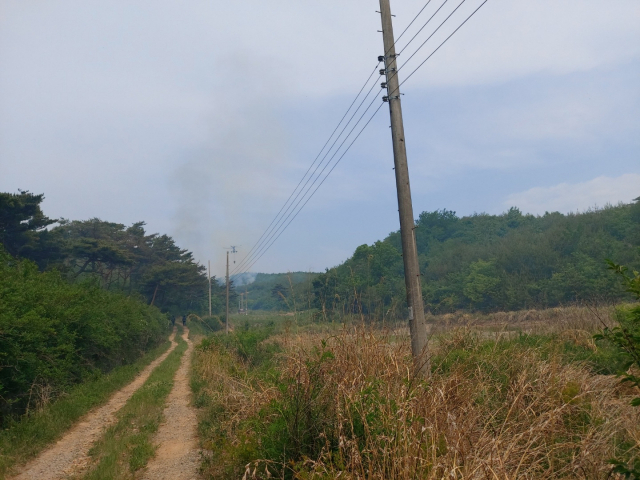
229	187
246	278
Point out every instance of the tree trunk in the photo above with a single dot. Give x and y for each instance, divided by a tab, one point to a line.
154	295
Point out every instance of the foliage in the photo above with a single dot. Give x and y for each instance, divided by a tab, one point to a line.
23	439
351	406
626	338
20	220
487	262
54	334
298	423
127	259
119	258
248	345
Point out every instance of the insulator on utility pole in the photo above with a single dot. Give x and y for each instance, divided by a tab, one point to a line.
417	325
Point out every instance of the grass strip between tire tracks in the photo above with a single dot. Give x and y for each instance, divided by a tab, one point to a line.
127	446
26	438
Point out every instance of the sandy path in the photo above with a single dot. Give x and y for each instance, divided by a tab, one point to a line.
177	456
70	454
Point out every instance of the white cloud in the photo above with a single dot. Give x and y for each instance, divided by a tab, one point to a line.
566	197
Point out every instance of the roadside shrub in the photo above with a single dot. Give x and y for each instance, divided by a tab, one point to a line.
298	424
249	346
54	334
625	337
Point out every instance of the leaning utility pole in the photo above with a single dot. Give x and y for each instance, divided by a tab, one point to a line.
417	325
209	274
227	321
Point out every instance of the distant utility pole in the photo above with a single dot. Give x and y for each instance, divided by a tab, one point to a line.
246	300
417	325
209	274
227	321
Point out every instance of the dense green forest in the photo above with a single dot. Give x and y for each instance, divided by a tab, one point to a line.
78	298
491	262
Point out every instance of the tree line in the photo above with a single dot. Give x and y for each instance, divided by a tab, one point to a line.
485	262
79	298
116	257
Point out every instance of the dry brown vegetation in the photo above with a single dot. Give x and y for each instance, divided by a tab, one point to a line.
526	395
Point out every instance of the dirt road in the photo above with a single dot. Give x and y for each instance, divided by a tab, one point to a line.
70	454
177	456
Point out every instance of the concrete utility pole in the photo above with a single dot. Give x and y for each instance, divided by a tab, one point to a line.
227	320
417	325
209	274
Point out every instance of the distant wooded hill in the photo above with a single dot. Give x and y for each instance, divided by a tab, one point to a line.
491	262
276	291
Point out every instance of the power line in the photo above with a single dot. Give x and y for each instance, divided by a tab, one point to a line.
278	221
421	28
445	41
434	32
411	23
288	210
249	262
327	175
438	47
275	219
266	232
281	229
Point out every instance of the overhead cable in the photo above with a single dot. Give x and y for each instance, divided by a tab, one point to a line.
268	229
319	185
275	220
284	216
276	232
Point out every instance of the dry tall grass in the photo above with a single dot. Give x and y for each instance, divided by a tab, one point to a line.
493	409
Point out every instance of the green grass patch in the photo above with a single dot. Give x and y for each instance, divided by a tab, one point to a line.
305	321
469	348
204	326
127	446
23	439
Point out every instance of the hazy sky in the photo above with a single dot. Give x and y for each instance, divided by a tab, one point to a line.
199	117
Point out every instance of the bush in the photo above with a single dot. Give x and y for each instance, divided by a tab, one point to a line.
299	424
626	338
54	334
249	346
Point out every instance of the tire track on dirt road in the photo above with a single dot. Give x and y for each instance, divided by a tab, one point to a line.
178	455
69	455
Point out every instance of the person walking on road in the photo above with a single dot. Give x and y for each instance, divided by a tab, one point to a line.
184	320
